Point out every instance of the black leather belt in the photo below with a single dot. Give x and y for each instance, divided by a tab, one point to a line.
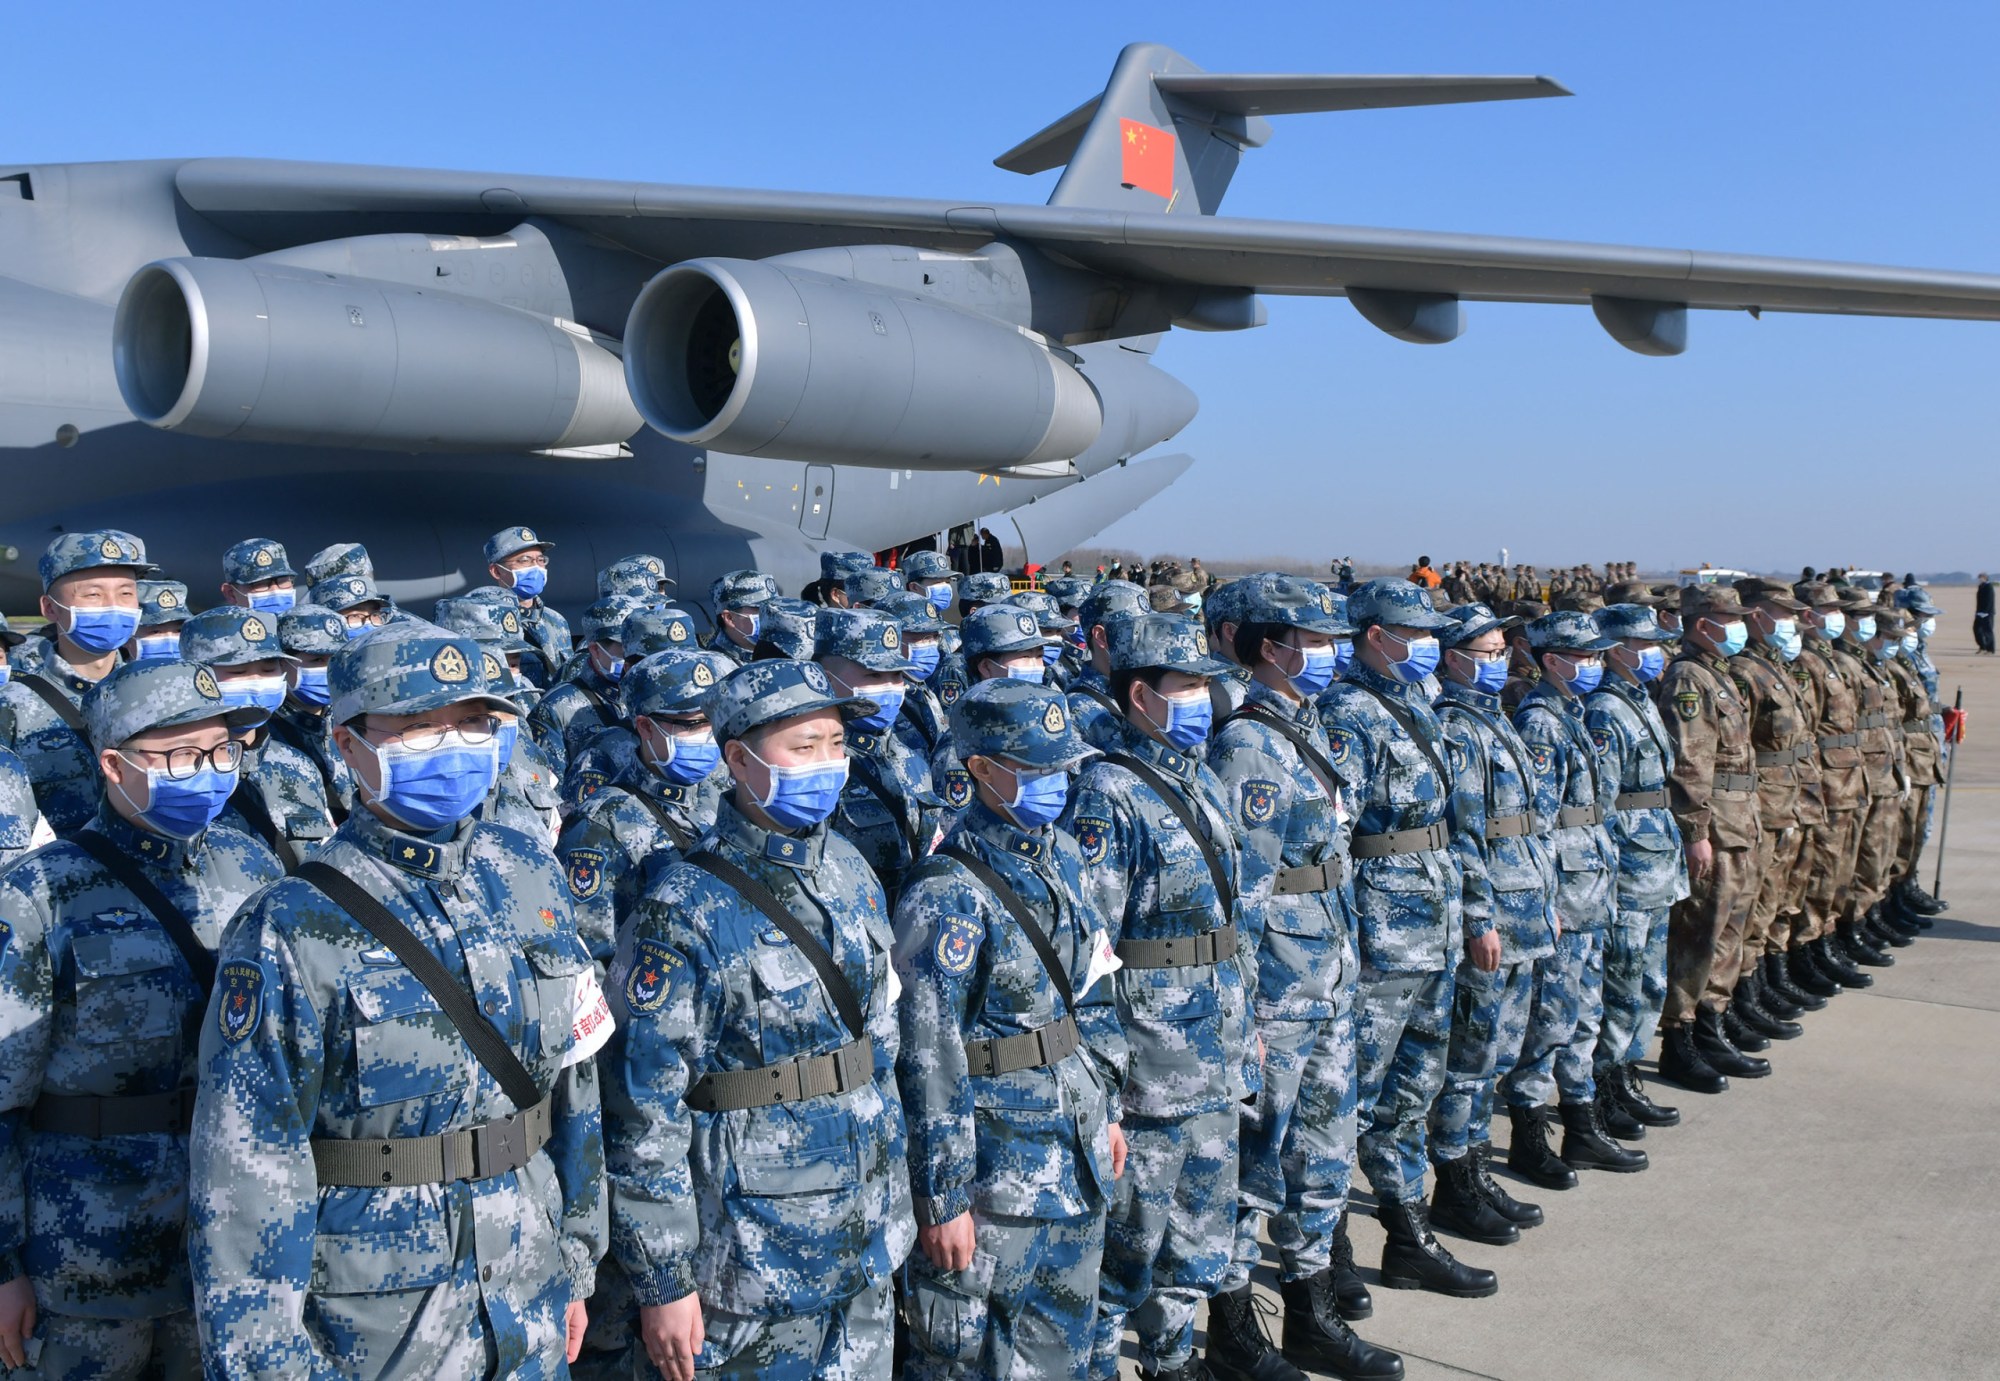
1316	877
1784	757
1735	781
1509	826
1208	948
1839	740
477	1153
82	1114
1030	1050
1432	836
814	1076
1571	816
1641	800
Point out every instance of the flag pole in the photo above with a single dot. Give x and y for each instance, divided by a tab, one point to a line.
1944	816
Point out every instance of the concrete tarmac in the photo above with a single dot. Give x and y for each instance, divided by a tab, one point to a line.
1840	1218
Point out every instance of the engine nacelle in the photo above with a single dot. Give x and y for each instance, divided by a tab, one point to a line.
264	351
766	358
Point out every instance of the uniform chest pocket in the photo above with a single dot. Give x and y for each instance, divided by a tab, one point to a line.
306	827
367	1263
404	1045
558	962
792	1004
789	1174
861	806
1580	861
129	986
1165	995
1410	779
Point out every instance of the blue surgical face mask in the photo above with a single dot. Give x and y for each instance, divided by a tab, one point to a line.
273	601
1652	661
1316	667
1584	677
1929	627
1909	642
755	622
1888	649
800	797
1489	674
160	647
430	789
1791	643
264	693
185	808
1190	715
6	673
1343	653
1038	800
530	581
925	655
1052	654
312	687
888	704
1832	625
611	669
1028	671
1781	630
1864	628
690	757
100	630
1735	637
504	738
355	630
939	595
1420	658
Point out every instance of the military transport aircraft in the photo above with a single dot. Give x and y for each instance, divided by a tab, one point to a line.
207	349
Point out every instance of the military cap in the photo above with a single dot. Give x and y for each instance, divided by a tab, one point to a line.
988	587
1633	620
1633	592
912	613
499	596
1017	720
653	629
653	565
1067	591
741	590
1815	593
1567	630
1855	600
1756	590
605	620
311	628
1043	606
1225	603
614	583
8	637
407	669
1469	621
1394	603
995	629
1111	599
510	541
675	682
1917	600
927	566
89	551
343	592
1528	610
767	691
1165	599
867	637
254	561
494	625
1711	601
342	558
836	566
1171	641
162	602
1288	600
1579	601
865	587
228	636
157	694
790	625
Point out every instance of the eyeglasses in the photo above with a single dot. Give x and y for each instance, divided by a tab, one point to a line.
373	618
422	738
183	763
525	560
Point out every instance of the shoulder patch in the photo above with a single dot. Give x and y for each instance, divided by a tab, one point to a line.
1601	740
1542	757
957	945
653	969
6	938
588	784
1260	801
1093	837
1344	745
583	869
949	691
1687	704
1455	752
241	1004
957	788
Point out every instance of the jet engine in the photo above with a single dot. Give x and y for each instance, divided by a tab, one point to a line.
770	358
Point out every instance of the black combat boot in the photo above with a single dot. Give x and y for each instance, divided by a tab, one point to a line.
1317	1337
1741	1034
1902	920
1914	898
1837	966
1773	997
1612	1112
1239	1348
1881	931
1632	1093
1587	1146
1521	1215
1858	948
1529	1152
1350	1292
1193	1369
1681	1062
1457	1205
1802	965
1413	1259
1752	999
1778	979
1712	1040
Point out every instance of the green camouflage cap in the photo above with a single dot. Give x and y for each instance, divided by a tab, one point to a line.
1287	600
836	566
228	636
312	628
673	683
1815	593
1165	599
1471	620
1173	642
1043	606
1719	602
1566	630
652	629
866	587
510	541
790	625
994	629
1019	721
89	551
927	566
162	602
987	587
343	592
1889	619
866	637
913	614
741	590
605	620
1579	601
493	624
342	558
1633	592
1757	590
1110	599
254	561
157	694
768	691
409	668
1393	603
1631	621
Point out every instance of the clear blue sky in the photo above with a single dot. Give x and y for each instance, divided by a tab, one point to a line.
1832	130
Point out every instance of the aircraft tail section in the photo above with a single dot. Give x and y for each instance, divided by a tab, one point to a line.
1166	136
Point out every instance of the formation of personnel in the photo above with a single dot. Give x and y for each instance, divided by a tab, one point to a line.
851	991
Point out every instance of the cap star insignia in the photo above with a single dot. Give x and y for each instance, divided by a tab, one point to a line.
449	665
263	557
677	632
109	548
527	536
1025	624
168	600
889	638
204	684
254	631
1053	720
509	622
490	665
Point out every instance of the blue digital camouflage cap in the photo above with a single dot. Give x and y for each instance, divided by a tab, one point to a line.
1067	590
1043	606
927	566
631	572
865	587
1917	600
994	629
493	624
614	585
654	565
985	588
741	590
789	625
866	637
914	614
254	561
669	684
1017	720
229	636
407	669
157	694
89	551
1471	620
162	602
1287	600
1567	630
312	629
343	592
1173	642
1110	599
836	566
768	691
497	595
342	558
510	541
1394	603
653	629
605	620
1619	621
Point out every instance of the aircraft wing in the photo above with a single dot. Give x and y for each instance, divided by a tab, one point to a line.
274	204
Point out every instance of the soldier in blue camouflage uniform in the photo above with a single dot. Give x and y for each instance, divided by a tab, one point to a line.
519	559
830	590
365	1198
613	751
311	634
1090	703
91	599
1571	801
921	725
1635	756
786	628
1183	991
1056	627
99	1010
341	558
21	824
587	701
929	575
258	576
1221	614
163	608
639	576
864	588
736	598
755	1133
1509	925
996	642
888	810
353	597
1388	744
974	594
1298	1138
527	795
1009	1073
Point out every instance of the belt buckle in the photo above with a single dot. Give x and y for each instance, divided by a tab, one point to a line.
499	1145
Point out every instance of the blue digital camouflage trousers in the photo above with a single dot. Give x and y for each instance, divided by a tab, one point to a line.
74	1348
1402	1029
1635	984
1298	1145
1168	1237
1562	1025
849	1342
1027	1306
1489	1021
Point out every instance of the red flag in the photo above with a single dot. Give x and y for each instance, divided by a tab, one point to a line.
1148	158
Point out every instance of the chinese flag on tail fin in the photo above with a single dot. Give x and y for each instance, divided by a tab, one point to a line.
1148	158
